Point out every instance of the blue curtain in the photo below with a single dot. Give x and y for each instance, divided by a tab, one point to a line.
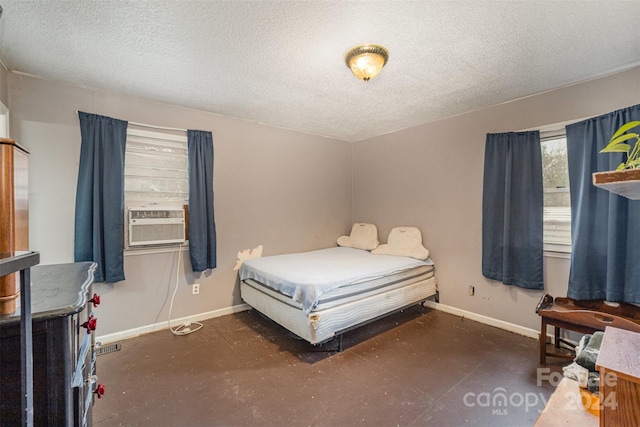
605	227
99	216
202	226
512	210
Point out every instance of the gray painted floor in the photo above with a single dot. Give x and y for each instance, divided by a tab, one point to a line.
408	369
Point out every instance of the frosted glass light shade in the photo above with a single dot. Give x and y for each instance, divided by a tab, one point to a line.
366	61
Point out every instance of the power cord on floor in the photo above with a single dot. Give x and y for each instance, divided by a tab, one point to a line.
186	328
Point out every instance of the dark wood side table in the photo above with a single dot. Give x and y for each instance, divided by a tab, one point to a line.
585	317
619	366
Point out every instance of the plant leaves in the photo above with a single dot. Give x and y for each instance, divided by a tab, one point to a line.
625	127
620	167
615	145
624	138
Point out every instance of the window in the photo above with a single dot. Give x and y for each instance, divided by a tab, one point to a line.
156	170
4	121
557	202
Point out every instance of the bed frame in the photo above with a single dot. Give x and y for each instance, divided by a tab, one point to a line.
320	326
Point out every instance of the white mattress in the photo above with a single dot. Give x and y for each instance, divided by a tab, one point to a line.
307	276
353	291
344	307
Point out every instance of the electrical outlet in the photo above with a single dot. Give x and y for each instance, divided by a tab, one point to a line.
472	291
195	289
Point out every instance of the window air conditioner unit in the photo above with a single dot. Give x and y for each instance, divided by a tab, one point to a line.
156	226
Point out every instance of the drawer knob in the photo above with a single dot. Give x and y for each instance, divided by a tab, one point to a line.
90	324
99	390
95	300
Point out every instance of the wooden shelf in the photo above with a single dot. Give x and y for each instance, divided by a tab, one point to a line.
625	183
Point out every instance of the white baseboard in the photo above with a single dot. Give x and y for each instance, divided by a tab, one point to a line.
511	327
135	332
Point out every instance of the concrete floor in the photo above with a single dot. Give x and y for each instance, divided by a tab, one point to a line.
408	369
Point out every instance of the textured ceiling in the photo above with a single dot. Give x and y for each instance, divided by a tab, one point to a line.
281	62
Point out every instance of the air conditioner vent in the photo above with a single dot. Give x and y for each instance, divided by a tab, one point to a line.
150	226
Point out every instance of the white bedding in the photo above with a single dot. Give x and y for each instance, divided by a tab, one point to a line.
306	276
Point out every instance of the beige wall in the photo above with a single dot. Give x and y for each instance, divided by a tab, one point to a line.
430	176
285	190
292	192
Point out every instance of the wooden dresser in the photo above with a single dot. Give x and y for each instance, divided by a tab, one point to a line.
64	357
619	366
14	213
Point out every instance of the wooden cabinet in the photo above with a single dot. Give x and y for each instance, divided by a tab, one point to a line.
64	357
619	366
14	213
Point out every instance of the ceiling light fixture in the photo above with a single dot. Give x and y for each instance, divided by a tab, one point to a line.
366	60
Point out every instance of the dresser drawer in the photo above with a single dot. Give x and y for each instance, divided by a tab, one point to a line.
63	351
84	378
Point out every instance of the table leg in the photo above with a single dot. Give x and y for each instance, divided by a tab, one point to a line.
543	343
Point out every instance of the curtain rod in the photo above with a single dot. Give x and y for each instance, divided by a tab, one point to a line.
152	126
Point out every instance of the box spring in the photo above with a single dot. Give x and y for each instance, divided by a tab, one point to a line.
343	308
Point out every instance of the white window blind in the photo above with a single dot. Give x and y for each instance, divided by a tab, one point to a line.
156	168
557	226
557	196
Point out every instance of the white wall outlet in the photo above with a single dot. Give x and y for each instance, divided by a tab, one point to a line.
472	291
195	289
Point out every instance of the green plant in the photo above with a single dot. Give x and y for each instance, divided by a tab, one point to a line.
619	144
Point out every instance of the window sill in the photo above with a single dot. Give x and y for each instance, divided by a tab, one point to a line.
155	250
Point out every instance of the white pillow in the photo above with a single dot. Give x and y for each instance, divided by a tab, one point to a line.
403	241
363	236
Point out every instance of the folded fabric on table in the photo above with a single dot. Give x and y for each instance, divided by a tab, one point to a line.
578	373
593	383
582	343
589	354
